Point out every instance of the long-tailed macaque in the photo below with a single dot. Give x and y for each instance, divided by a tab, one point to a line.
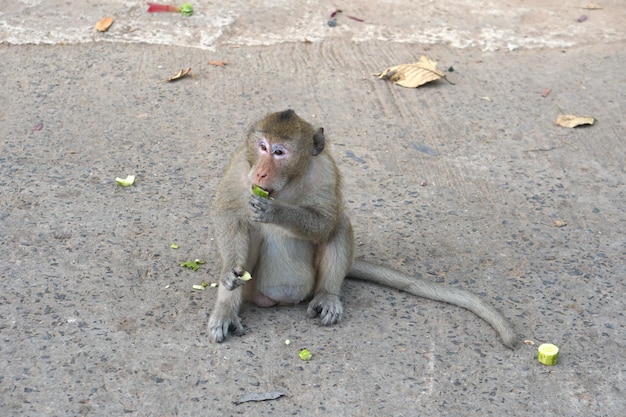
297	242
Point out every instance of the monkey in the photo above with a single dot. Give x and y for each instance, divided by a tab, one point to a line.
297	242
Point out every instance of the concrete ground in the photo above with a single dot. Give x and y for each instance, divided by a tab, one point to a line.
465	184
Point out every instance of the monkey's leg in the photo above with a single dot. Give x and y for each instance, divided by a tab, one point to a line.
334	261
225	314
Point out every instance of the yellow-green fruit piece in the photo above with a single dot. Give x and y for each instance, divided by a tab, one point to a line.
246	276
260	192
130	180
548	354
305	355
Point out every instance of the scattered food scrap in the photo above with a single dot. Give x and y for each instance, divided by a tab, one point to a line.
529	342
305	355
193	264
38	126
560	223
104	24
545	92
180	74
198	287
186	9
174	246
262	396
218	63
413	75
569	120
548	354
126	182
581	18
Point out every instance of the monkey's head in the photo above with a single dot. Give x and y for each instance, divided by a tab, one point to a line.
280	148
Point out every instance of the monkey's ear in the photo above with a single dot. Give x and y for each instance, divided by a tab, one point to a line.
319	140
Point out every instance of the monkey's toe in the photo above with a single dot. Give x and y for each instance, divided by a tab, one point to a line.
218	329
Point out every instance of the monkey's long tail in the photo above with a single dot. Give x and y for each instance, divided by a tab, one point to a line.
434	291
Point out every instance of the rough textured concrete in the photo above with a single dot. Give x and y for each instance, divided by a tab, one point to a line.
97	318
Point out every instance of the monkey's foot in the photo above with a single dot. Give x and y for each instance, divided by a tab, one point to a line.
327	306
220	326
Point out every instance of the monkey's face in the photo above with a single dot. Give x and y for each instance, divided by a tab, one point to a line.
281	147
274	162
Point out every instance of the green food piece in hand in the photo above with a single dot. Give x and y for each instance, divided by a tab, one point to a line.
305	355
246	276
260	192
186	9
130	180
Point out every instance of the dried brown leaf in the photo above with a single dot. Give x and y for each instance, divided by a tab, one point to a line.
570	120
592	6
180	74
413	75
218	63
104	24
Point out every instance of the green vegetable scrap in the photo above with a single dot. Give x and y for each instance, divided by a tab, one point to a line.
193	264
305	355
127	182
260	192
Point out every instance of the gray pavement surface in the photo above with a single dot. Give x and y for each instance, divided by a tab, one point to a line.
97	318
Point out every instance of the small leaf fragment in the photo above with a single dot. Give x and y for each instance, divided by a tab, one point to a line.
180	74
571	121
127	182
413	75
305	355
104	24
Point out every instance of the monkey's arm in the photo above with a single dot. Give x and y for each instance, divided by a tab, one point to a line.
231	222
305	222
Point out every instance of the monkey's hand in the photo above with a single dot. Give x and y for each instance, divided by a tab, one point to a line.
232	279
327	306
221	322
265	210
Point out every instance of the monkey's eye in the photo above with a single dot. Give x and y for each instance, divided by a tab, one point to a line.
263	146
279	151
